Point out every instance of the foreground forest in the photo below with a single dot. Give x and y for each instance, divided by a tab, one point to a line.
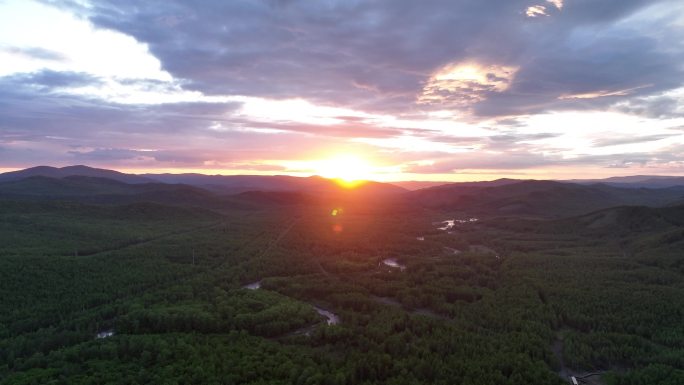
269	289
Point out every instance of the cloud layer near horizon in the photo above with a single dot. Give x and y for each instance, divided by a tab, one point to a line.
423	90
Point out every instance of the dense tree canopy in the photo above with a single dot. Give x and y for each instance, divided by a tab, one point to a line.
487	302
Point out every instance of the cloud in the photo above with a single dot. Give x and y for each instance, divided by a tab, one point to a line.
536	11
471	161
49	38
246	166
239	83
556	3
512	138
50	80
35	53
541	10
664	105
588	72
601	93
67	128
369	56
464	84
505	163
606	142
110	154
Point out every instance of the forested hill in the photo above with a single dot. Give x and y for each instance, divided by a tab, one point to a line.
83	180
108	282
499	198
540	198
63	172
235	184
632	221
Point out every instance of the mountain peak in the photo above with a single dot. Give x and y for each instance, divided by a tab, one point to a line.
76	170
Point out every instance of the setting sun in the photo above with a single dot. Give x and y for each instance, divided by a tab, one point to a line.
346	168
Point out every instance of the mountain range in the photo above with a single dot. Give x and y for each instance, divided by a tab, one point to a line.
542	198
502	197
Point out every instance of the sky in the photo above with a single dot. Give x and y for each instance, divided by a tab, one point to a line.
443	90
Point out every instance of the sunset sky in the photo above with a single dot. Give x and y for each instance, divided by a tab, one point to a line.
381	89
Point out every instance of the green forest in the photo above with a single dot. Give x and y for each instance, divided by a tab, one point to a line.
338	294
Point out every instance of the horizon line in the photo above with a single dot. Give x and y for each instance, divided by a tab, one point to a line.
213	172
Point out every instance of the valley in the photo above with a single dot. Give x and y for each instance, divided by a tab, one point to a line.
334	287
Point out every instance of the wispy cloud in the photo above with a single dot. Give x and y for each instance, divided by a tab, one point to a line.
536	11
601	93
557	3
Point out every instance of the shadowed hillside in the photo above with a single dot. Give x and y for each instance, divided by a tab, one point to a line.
540	198
383	285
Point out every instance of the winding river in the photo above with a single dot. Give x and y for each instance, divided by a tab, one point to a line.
253	285
392	262
450	223
333	319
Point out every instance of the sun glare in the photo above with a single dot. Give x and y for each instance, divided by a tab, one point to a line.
347	169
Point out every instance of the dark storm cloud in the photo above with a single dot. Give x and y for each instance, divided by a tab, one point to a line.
378	54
